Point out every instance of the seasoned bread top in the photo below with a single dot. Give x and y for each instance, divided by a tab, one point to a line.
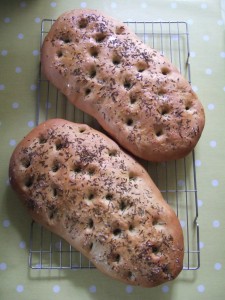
79	184
133	91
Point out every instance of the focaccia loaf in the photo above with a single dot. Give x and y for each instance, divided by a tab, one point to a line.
133	91
78	183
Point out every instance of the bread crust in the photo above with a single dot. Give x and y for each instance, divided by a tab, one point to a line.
134	92
79	184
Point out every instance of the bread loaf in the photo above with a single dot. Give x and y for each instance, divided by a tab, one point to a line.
133	91
79	184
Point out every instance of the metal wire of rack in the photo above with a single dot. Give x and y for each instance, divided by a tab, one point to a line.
175	179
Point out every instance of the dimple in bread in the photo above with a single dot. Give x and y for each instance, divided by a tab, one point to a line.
78	183
134	92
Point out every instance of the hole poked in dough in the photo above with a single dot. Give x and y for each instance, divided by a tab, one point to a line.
77	169
58	145
94	51
92	72
155	249
82	23
109	197
120	30
91	196
158	131
82	129
90	223
91	171
188	105
55	166
100	37
54	192
133	99
87	91
129	122
59	53
29	180
25	161
117	231
42	139
130	276
132	176
164	110
123	205
116	59
112	152
165	70
127	84
65	39
141	66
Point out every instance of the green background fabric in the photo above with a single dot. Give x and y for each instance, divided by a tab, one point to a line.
20	23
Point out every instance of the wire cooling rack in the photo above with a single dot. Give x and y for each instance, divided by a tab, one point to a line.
175	179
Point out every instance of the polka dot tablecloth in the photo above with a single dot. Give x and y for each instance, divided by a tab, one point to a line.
20	23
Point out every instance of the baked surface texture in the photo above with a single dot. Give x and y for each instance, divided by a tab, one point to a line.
79	184
133	91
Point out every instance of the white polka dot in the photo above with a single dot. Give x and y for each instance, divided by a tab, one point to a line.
3	266
18	70
4	52
190	22
7	20
83	4
2	87
200	203
33	87
20	288
113	5
217	266
20	36
144	5
216	223
211	106
92	289
6	223
12	142
215	182
182	223
56	288
201	288
23	4
15	105
205	38
195	88
208	71
129	289
165	289
224	89
204	6
35	52
192	54
201	245
53	4
173	5
30	124
37	20
213	144
22	245
222	54
220	22
198	163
